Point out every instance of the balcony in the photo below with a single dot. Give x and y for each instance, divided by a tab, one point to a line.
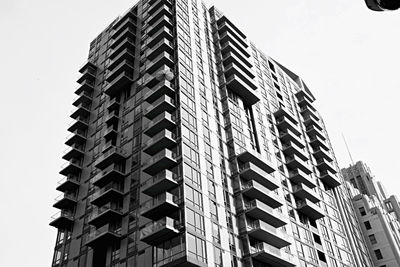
308	121
111	133
163	121
155	5
324	165
162	88
113	173
162	21
80	123
83	98
127	33
225	22
229	46
111	192
267	233
77	137
160	141
157	14
155	35
226	26
310	209
103	237
68	183
127	44
247	93
122	81
112	155
161	182
271	255
113	105
74	152
301	191
250	171
73	167
65	200
254	190
321	153
160	206
288	136
162	59
291	148
298	176
283	112
245	74
81	110
330	179
62	220
87	65
258	210
238	59
163	46
227	37
165	159
128	23
284	123
164	103
159	231
88	74
309	111
85	86
116	59
304	94
125	66
313	131
294	162
112	118
106	214
318	142
249	155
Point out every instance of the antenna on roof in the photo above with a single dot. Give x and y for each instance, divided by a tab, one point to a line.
348	150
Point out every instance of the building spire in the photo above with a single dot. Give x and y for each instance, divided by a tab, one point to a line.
348	150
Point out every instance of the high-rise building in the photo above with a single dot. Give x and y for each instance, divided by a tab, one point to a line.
378	214
191	147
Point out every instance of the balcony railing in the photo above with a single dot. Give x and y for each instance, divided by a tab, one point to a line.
272	255
160	182
159	231
159	206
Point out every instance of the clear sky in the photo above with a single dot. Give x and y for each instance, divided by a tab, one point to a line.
348	56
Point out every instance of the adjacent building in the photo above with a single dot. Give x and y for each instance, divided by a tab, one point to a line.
191	147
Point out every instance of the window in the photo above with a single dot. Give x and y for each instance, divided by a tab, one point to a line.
372	239
216	234
194	197
213	210
378	254
362	211
196	248
195	221
367	225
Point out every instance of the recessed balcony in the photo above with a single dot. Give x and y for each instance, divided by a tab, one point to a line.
290	148
162	88
250	171
283	112
80	123
73	167
318	142
258	210
313	131
68	183
271	255
165	159
81	110
112	118
65	200
310	209
113	105
113	173
159	231
247	93
111	133
112	155
110	192
329	178
324	165
164	103
84	98
163	121
105	214
254	190
120	83
262	231
301	191
288	136
85	86
161	182
160	206
62	220
103	237
250	155
298	176
162	140
321	153
283	123
294	162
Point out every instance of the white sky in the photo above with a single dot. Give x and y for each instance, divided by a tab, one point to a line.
347	55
